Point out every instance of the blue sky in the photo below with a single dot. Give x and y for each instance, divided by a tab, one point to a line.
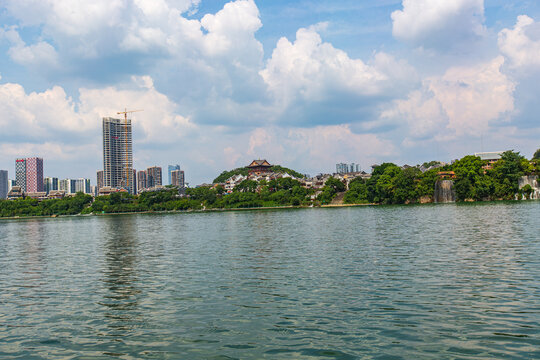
304	84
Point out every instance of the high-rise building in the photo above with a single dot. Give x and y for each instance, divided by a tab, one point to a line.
3	184
177	178
50	183
343	168
117	154
135	181
34	174
80	185
171	168
29	174
354	167
11	184
20	173
141	180
65	185
100	180
153	176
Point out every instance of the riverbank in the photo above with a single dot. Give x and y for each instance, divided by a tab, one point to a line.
186	211
268	208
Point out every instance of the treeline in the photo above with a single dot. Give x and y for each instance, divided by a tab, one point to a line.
247	194
31	207
391	184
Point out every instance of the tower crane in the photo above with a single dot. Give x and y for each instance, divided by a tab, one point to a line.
125	112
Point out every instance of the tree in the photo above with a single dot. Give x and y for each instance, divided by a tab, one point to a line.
463	189
246	186
335	184
227	174
358	192
506	173
536	155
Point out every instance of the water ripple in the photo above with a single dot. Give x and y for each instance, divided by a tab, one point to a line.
433	282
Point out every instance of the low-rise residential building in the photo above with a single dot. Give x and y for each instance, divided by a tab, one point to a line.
16	192
56	194
108	190
490	157
234	180
36	195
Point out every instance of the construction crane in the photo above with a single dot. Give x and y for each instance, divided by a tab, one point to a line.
125	112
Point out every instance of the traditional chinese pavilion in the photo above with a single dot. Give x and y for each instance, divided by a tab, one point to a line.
259	167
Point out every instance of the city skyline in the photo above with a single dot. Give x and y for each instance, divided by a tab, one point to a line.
302	83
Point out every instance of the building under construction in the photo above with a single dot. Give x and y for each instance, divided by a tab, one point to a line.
118	154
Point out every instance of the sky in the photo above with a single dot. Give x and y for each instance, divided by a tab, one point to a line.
304	84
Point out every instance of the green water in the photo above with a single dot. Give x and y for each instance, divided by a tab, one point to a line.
402	282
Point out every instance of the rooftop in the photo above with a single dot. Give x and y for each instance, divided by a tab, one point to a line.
491	155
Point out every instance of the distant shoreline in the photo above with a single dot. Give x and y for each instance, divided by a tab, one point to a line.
186	211
248	209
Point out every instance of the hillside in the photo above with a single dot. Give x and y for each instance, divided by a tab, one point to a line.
244	171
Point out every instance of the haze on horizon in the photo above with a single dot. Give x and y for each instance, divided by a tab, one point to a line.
305	84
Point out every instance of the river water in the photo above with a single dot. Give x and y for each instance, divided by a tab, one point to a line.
429	282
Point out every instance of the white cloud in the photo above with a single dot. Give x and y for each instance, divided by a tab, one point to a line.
440	24
312	70
38	115
52	116
461	102
232	28
521	45
40	53
316	149
102	28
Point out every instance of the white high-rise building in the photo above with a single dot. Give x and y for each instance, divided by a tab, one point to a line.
65	185
51	183
82	185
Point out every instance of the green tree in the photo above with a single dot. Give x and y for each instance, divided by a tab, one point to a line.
506	173
335	184
425	186
357	193
464	189
536	155
247	186
227	174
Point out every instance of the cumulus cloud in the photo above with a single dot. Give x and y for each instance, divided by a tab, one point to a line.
37	115
463	101
40	53
439	24
521	45
159	122
318	148
50	115
310	71
103	28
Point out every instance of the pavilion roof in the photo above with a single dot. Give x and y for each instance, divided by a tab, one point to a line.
257	163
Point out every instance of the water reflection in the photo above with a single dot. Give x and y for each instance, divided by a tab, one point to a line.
121	295
32	237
